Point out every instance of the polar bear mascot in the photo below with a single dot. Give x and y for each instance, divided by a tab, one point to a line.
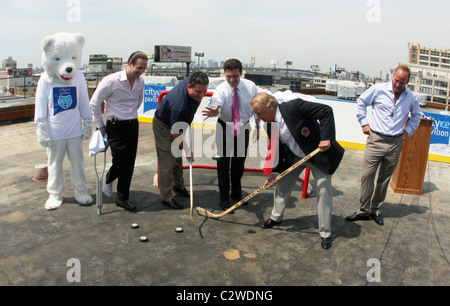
62	115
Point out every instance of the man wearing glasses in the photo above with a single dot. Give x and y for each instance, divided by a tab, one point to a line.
171	120
391	104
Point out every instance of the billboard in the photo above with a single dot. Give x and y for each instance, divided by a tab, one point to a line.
315	68
151	94
166	53
441	128
97	59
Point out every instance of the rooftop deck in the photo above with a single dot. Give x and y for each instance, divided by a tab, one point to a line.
413	246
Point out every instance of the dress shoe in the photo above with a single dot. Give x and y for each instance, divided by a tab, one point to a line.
377	218
225	205
181	191
326	243
173	204
126	204
356	217
270	223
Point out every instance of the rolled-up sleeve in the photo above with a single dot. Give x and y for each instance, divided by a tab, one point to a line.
414	121
362	103
101	94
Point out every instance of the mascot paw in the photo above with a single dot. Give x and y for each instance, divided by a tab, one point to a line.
53	202
87	130
83	198
43	136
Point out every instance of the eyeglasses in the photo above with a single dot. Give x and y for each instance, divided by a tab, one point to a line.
202	80
393	111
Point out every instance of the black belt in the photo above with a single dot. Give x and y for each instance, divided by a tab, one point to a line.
224	123
121	122
388	136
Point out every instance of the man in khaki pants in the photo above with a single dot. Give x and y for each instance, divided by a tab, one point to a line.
176	112
391	104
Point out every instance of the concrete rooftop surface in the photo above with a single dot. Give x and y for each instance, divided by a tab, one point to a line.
40	247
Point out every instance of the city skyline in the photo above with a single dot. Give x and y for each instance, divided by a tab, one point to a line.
369	36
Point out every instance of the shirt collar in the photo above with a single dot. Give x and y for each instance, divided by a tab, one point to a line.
186	93
390	88
239	86
278	117
123	75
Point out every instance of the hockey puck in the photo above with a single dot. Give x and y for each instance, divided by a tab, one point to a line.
134	225
143	239
179	230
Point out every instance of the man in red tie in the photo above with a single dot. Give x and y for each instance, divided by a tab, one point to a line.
231	102
301	127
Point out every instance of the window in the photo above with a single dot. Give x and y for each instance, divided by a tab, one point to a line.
440	92
424	58
441	84
425	89
426	81
440	100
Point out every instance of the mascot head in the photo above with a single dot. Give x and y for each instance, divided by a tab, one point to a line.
61	56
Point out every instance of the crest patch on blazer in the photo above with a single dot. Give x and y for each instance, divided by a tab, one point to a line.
305	132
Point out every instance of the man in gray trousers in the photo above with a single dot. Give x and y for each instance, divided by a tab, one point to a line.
302	127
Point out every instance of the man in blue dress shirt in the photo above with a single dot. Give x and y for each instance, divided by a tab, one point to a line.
391	104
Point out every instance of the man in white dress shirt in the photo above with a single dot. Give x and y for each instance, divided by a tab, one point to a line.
231	102
391	104
122	93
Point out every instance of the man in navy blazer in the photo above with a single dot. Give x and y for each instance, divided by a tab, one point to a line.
302	127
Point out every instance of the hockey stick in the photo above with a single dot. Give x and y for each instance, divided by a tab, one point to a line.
205	213
191	189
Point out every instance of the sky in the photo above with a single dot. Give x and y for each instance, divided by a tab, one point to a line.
370	36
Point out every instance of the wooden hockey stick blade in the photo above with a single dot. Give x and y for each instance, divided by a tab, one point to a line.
205	213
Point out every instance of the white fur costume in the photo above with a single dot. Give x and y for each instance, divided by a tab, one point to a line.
62	115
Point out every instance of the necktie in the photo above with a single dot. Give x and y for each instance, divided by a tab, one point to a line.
235	113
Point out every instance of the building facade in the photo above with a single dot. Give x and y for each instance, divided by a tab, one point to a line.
18	81
430	73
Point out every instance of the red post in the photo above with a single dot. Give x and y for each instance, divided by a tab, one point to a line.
305	183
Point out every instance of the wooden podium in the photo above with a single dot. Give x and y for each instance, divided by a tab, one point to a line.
410	172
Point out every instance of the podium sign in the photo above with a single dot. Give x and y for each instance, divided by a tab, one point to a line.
410	172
